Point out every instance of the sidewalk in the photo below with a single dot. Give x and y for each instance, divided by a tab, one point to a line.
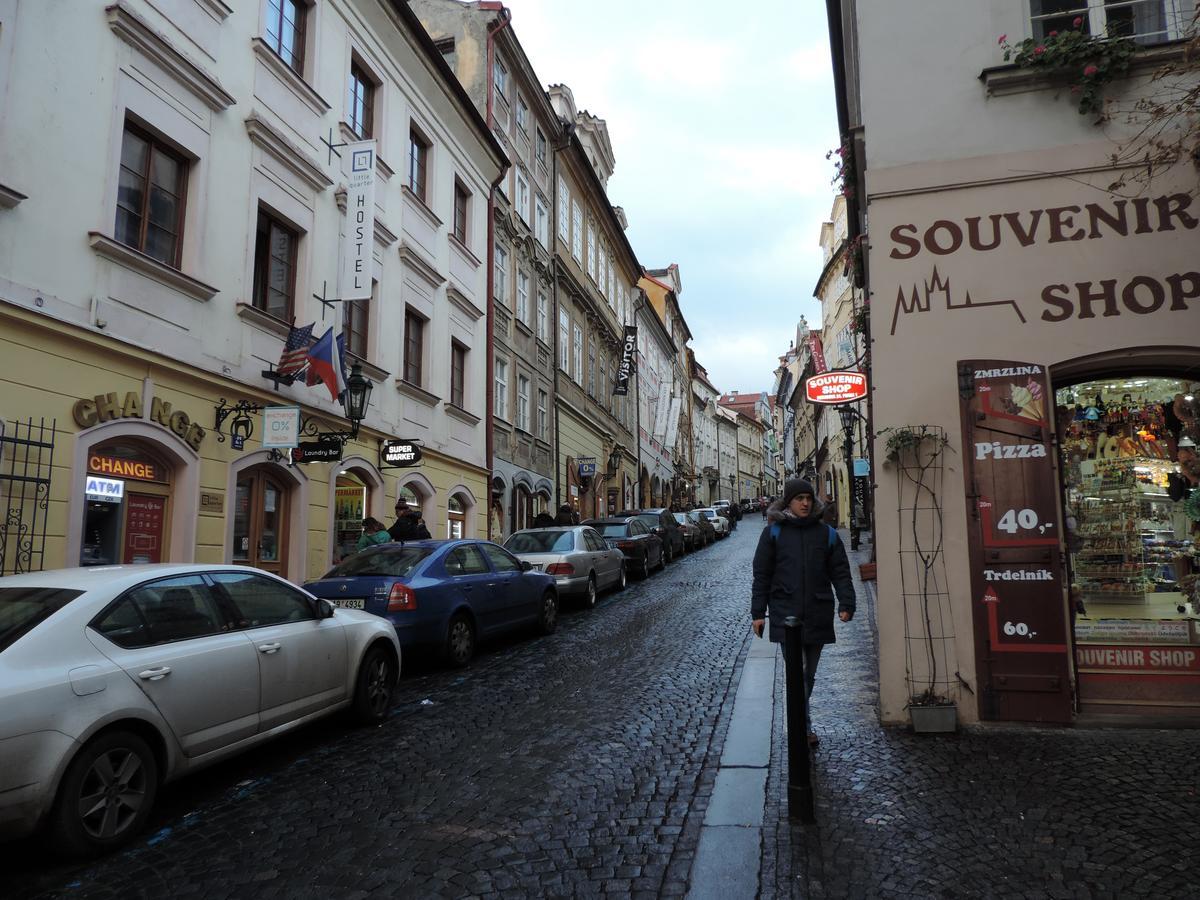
993	811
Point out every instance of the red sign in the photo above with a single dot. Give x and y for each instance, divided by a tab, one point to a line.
836	387
1172	660
144	514
818	353
123	468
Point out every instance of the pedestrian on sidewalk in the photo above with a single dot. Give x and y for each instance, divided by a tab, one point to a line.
799	564
374	532
409	526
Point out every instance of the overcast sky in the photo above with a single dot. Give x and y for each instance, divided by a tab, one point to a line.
720	118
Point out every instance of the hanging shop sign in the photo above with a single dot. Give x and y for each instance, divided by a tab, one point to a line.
105	490
325	450
818	353
281	427
359	238
399	454
587	466
625	370
836	387
107	407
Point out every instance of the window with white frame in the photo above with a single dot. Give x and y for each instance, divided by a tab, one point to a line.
500	276
613	292
523	115
591	250
500	77
1145	21
502	388
541	221
576	231
591	376
564	340
523	196
577	355
602	267
564	210
540	147
543	414
523	402
522	297
543	316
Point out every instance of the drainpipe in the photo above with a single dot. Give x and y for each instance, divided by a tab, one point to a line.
503	18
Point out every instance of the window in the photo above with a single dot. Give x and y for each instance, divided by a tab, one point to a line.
500	77
523	115
539	147
523	402
543	317
274	266
356	322
414	346
361	113
500	288
458	374
418	163
500	559
285	31
465	560
541	220
564	339
591	379
522	196
591	250
542	415
462	202
602	268
522	297
576	232
175	609
150	197
264	601
577	353
502	388
1146	21
564	210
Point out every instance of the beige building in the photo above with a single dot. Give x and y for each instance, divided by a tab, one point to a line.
1034	335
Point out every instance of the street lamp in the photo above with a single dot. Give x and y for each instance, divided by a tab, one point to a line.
358	396
848	415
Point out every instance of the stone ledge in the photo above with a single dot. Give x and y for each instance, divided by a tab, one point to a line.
117	252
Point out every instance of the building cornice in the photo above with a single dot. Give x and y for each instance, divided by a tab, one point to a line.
416	262
133	259
301	88
270	139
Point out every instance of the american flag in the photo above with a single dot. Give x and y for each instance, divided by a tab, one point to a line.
293	359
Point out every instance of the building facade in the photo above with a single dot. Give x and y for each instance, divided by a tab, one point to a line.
1034	362
707	460
658	409
727	453
150	284
663	288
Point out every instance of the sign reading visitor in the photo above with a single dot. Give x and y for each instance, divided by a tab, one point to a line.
359	238
317	451
105	490
836	387
625	370
399	454
281	427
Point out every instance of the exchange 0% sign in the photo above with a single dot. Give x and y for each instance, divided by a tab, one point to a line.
836	387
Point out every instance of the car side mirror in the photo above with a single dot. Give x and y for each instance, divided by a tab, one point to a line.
526	566
325	609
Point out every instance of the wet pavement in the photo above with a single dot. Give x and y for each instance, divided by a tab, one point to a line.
583	764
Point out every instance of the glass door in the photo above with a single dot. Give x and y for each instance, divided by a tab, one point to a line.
260	522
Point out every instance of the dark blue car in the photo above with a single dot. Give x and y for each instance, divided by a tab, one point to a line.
448	594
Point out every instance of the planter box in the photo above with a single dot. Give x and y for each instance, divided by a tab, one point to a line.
934	719
866	571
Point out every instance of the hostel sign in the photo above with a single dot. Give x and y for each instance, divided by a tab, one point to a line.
359	238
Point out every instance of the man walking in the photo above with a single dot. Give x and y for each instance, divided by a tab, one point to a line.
798	565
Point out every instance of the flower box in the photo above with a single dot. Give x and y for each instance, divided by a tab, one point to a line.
941	718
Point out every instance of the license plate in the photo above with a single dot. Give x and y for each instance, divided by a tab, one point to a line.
349	602
538	567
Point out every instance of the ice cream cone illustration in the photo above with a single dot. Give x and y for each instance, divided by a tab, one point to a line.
1028	401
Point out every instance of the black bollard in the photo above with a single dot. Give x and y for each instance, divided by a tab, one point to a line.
800	790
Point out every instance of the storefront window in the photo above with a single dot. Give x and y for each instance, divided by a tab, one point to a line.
128	493
455	517
349	508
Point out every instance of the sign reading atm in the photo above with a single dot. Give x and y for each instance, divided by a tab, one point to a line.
836	387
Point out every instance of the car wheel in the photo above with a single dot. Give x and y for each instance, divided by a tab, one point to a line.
460	641
589	597
106	794
622	578
377	676
548	616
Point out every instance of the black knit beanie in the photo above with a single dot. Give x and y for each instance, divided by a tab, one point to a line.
794	486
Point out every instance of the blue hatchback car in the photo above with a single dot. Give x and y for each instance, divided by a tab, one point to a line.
448	594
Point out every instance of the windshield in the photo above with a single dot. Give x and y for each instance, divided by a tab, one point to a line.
708	513
393	562
681	518
21	608
611	529
541	542
650	520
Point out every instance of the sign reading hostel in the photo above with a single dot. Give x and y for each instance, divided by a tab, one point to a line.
836	387
359	237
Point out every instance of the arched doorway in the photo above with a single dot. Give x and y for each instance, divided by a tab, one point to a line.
261	519
128	504
419	493
523	507
356	492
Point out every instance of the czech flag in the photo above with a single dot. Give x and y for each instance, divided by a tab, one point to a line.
325	364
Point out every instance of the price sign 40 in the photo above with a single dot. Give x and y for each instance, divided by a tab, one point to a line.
1015	520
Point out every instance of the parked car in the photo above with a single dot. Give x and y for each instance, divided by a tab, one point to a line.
119	679
702	522
719	523
581	563
642	548
445	594
661	521
693	537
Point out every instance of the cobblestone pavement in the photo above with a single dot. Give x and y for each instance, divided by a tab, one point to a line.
989	812
574	765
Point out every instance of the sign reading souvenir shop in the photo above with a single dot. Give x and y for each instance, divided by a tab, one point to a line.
836	387
399	454
107	407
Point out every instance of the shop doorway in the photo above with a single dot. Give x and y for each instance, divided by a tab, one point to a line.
260	520
127	491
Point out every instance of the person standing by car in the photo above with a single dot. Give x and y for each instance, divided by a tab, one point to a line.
566	515
543	520
799	564
408	525
374	532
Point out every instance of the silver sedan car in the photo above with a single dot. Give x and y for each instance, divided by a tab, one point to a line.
716	519
118	679
578	558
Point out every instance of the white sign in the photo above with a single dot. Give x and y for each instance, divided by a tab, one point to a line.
1161	631
107	490
359	239
281	427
